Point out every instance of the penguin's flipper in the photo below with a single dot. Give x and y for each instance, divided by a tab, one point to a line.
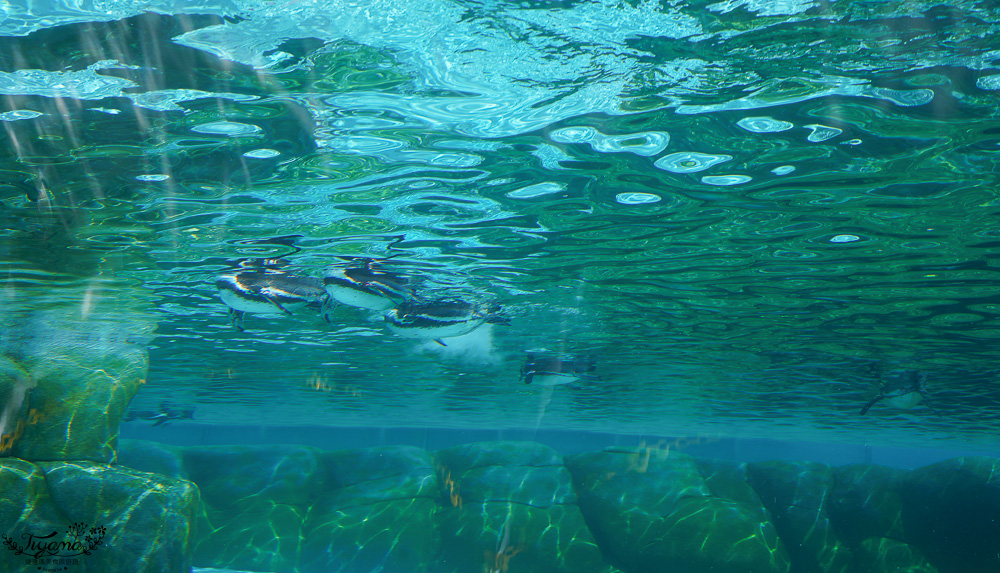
439	341
528	377
871	403
278	304
387	291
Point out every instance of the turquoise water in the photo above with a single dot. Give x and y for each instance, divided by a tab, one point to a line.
739	210
712	235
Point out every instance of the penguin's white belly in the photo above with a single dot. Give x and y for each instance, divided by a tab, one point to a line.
236	302
553	379
906	401
359	299
434	332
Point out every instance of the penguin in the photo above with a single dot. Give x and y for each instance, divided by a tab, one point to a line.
164	415
266	291
551	370
440	319
904	389
366	287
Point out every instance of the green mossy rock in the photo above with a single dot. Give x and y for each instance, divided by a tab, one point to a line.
146	518
152	457
370	475
728	480
481	454
495	536
653	511
255	502
880	555
15	414
267	537
390	535
25	506
79	397
795	493
244	478
951	512
864	502
375	513
511	504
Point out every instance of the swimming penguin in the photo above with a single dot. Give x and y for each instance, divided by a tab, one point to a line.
164	415
268	291
903	389
440	319
366	287
551	370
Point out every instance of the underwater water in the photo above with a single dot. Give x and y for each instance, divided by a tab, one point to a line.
763	220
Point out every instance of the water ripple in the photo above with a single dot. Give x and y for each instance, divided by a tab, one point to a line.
822	132
637	198
536	190
764	124
723	180
689	161
644	144
227	128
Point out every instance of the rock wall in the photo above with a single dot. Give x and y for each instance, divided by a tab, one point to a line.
520	507
72	356
93	518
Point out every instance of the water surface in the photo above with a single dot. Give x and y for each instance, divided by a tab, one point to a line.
737	208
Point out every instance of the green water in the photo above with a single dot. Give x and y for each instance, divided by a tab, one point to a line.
738	209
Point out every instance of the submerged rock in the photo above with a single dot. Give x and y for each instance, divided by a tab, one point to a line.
951	512
74	405
152	457
518	507
375	513
864	502
255	502
108	519
239	478
884	555
511	505
795	494
654	511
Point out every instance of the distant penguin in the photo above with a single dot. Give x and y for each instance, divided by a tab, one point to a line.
553	370
440	319
166	414
267	291
366	286
904	389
